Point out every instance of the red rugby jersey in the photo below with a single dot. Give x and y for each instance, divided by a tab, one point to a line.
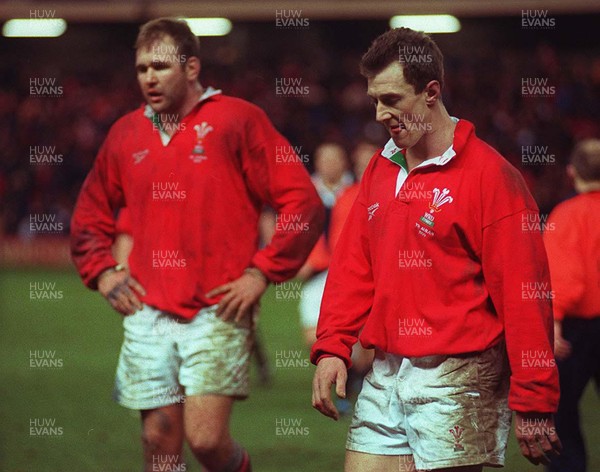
442	263
194	203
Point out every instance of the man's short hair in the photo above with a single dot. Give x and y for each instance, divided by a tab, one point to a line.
421	59
585	158
186	42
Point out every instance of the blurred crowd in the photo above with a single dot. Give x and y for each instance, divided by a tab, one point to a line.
330	104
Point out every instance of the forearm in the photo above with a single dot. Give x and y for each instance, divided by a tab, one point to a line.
517	278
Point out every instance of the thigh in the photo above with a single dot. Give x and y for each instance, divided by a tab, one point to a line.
207	415
166	421
363	462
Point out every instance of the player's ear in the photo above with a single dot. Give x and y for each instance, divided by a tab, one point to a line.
433	92
192	68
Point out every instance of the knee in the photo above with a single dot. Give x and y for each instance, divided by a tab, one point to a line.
206	443
158	436
154	439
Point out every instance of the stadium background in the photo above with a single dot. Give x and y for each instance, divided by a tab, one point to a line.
93	63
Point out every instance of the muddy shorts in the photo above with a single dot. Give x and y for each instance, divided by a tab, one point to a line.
445	411
165	358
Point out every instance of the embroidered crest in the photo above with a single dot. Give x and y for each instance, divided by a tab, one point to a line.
198	153
440	198
457	433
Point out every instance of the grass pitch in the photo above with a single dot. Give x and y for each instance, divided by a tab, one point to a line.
59	354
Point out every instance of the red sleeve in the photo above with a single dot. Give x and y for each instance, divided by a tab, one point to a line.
284	184
123	225
93	224
349	288
565	257
516	275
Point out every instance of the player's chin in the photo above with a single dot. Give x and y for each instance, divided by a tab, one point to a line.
157	107
401	142
404	139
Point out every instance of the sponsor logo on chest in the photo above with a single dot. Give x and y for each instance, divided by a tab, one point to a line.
139	156
372	209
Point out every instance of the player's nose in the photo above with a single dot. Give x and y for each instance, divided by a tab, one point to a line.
382	113
150	76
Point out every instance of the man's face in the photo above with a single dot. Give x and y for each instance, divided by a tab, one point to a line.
404	114
331	163
162	76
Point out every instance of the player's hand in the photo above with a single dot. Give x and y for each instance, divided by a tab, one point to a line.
121	290
537	437
240	297
330	370
562	347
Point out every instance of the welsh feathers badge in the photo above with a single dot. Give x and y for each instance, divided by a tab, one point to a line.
440	198
198	153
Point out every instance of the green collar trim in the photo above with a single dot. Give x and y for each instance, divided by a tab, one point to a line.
400	159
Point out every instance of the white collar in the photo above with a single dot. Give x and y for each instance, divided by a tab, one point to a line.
446	157
390	149
164	137
209	92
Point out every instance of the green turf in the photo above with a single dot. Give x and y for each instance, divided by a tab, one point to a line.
99	436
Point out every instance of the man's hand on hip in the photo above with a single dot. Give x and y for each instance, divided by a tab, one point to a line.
330	370
537	437
121	290
240	297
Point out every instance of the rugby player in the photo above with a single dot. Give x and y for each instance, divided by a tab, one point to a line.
434	267
194	168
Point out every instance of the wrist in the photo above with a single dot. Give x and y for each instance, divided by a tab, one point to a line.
110	270
257	273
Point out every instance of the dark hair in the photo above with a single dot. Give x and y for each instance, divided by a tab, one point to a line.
586	159
421	62
187	43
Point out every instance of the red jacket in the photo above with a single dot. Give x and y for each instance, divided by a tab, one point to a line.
572	237
194	203
444	267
